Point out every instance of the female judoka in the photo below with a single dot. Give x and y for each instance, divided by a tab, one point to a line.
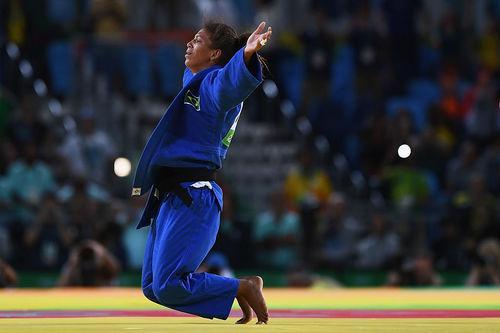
178	167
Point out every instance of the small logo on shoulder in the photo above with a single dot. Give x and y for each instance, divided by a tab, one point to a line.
136	191
192	99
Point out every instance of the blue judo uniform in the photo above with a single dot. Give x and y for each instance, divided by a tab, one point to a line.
195	132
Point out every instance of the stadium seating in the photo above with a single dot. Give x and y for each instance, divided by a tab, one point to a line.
168	60
137	69
61	65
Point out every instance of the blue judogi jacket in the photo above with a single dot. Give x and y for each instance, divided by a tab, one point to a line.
197	128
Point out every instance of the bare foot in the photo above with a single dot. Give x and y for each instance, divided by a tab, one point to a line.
246	309
251	291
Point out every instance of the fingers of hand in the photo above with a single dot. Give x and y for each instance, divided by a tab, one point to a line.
260	28
265	37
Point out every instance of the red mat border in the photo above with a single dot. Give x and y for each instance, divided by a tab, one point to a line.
283	313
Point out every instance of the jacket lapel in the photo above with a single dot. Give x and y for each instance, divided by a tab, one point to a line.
142	180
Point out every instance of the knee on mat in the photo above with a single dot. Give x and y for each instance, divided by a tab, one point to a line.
171	293
148	292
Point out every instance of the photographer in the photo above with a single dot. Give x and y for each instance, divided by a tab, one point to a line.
49	237
8	277
89	265
486	271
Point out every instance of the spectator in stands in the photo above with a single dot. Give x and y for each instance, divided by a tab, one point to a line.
461	168
84	211
407	185
449	248
339	232
445	135
488	43
48	239
481	109
108	17
89	151
27	179
450	101
400	18
13	18
308	184
277	234
8	155
24	126
134	240
375	141
380	247
451	38
233	232
7	101
368	41
277	12
430	154
301	277
110	235
89	265
57	163
318	48
476	209
5	237
164	15
216	263
486	271
489	164
222	10
308	187
8	276
415	272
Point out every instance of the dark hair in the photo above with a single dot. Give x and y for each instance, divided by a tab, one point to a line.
226	39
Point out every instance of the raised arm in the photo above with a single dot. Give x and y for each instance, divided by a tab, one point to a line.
230	85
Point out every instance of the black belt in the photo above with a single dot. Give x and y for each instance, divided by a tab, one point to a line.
168	180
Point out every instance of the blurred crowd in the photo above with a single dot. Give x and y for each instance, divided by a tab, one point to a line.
78	81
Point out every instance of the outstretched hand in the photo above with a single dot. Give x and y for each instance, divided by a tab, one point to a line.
257	40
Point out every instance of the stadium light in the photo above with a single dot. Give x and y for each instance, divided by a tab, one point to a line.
287	108
304	125
122	167
322	144
40	87
55	107
404	151
270	88
26	69
12	51
69	124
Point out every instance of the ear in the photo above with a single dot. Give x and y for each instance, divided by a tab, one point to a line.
214	55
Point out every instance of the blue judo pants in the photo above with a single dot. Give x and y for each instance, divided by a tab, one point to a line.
179	239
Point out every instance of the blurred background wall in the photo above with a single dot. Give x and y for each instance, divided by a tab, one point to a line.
319	188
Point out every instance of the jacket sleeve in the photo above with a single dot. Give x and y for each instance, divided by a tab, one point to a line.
229	86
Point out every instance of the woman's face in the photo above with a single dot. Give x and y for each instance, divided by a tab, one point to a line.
199	55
